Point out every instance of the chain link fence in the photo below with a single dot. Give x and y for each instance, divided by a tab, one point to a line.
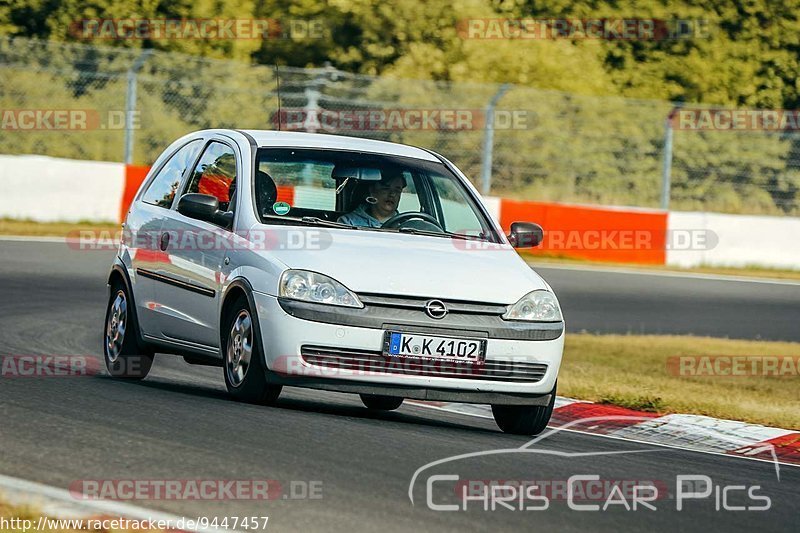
512	141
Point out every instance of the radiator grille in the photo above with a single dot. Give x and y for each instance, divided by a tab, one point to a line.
374	362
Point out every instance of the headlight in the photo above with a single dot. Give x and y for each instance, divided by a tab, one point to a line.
313	287
536	306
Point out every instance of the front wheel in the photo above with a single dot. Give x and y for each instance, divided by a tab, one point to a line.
245	375
524	419
121	351
381	403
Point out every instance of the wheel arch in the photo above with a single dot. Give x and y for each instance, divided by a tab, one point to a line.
119	273
237	287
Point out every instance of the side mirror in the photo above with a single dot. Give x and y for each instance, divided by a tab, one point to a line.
204	207
525	235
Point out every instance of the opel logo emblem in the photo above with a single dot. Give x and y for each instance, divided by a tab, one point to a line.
435	309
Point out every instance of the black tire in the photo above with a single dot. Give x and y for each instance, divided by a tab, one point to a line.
243	358
376	402
524	419
123	356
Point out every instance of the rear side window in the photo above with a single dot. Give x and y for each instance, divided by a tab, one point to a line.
215	174
310	180
162	189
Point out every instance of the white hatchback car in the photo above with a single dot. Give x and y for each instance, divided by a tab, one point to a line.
334	263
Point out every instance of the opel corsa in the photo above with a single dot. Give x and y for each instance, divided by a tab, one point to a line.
335	263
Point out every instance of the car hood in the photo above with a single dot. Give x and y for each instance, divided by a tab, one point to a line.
410	265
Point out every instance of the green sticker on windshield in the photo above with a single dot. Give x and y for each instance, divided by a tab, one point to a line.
281	208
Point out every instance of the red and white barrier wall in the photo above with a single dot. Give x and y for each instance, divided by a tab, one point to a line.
595	233
49	189
740	240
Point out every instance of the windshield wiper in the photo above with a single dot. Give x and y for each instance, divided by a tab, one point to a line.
327	223
310	221
445	234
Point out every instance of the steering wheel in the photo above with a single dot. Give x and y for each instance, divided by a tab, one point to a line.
399	219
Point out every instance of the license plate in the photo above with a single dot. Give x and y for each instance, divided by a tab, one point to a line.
434	347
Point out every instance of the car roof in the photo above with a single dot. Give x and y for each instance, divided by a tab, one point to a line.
295	139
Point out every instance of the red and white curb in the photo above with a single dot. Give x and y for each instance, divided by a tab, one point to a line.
690	432
59	503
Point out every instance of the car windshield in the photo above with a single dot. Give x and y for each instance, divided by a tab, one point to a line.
366	191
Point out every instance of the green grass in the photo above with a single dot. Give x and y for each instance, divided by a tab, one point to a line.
631	371
29	228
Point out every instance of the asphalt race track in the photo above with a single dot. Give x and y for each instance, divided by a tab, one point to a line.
643	303
179	423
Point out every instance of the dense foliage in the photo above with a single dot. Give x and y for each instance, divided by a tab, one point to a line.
745	54
584	144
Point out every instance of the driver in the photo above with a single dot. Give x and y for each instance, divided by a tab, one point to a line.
380	204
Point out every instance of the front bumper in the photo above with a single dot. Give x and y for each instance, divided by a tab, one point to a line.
287	337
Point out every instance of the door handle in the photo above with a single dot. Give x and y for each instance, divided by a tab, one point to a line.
164	241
